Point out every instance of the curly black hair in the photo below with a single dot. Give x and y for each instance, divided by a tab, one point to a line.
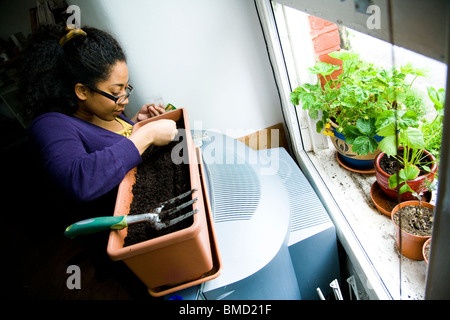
51	71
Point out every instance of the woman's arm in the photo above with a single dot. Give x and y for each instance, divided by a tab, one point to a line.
85	165
158	133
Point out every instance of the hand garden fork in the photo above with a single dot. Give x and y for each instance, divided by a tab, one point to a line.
94	225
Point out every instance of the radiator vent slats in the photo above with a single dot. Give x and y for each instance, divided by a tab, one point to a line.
236	191
306	208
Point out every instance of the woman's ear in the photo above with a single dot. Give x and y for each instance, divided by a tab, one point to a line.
81	91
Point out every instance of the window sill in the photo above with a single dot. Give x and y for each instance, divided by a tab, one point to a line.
373	229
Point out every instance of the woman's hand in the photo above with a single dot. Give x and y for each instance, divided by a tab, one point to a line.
148	111
158	133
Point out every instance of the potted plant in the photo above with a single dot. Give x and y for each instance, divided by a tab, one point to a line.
169	260
426	250
413	221
348	107
403	166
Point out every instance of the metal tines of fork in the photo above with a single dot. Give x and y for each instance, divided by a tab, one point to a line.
154	217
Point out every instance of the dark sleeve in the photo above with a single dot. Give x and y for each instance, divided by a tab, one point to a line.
82	175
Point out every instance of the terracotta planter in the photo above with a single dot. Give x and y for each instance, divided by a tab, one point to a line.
350	158
416	184
174	258
411	245
426	248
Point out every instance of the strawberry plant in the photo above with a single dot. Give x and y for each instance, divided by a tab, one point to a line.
353	102
411	157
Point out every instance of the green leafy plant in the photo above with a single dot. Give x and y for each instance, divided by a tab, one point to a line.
411	158
427	186
353	102
432	130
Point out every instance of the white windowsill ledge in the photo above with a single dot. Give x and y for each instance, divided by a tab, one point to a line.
373	229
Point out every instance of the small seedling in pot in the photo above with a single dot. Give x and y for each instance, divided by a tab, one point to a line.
419	221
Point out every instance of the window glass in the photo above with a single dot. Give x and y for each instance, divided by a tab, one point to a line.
352	189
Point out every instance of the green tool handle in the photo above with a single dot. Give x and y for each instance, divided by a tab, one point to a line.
94	225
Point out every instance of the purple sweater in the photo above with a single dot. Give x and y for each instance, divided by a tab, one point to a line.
84	160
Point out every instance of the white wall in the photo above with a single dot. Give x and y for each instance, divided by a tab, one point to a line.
208	56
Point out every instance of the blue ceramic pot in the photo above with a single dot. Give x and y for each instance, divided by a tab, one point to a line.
350	158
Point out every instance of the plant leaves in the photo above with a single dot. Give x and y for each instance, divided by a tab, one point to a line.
351	133
438	98
385	119
364	145
413	138
410	172
314	114
348	101
399	119
323	68
393	181
405	188
409	118
319	126
366	126
409	68
388	130
343	55
295	99
388	145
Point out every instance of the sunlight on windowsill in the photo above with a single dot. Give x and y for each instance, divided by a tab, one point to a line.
373	229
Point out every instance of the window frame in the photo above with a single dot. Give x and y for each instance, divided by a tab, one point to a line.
301	144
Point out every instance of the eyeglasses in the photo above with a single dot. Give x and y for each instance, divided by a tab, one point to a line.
117	100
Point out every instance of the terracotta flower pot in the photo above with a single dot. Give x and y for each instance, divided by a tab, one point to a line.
426	250
415	184
411	245
174	258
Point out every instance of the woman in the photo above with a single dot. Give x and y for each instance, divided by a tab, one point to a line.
77	87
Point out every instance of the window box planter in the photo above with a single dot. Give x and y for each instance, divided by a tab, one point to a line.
178	259
412	243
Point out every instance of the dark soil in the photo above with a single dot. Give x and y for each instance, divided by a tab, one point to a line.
158	179
415	220
391	166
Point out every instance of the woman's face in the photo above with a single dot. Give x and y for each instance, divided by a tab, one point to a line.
95	104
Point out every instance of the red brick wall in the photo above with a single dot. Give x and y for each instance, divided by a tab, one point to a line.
325	39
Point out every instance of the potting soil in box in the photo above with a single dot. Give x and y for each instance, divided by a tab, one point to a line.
182	254
158	179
